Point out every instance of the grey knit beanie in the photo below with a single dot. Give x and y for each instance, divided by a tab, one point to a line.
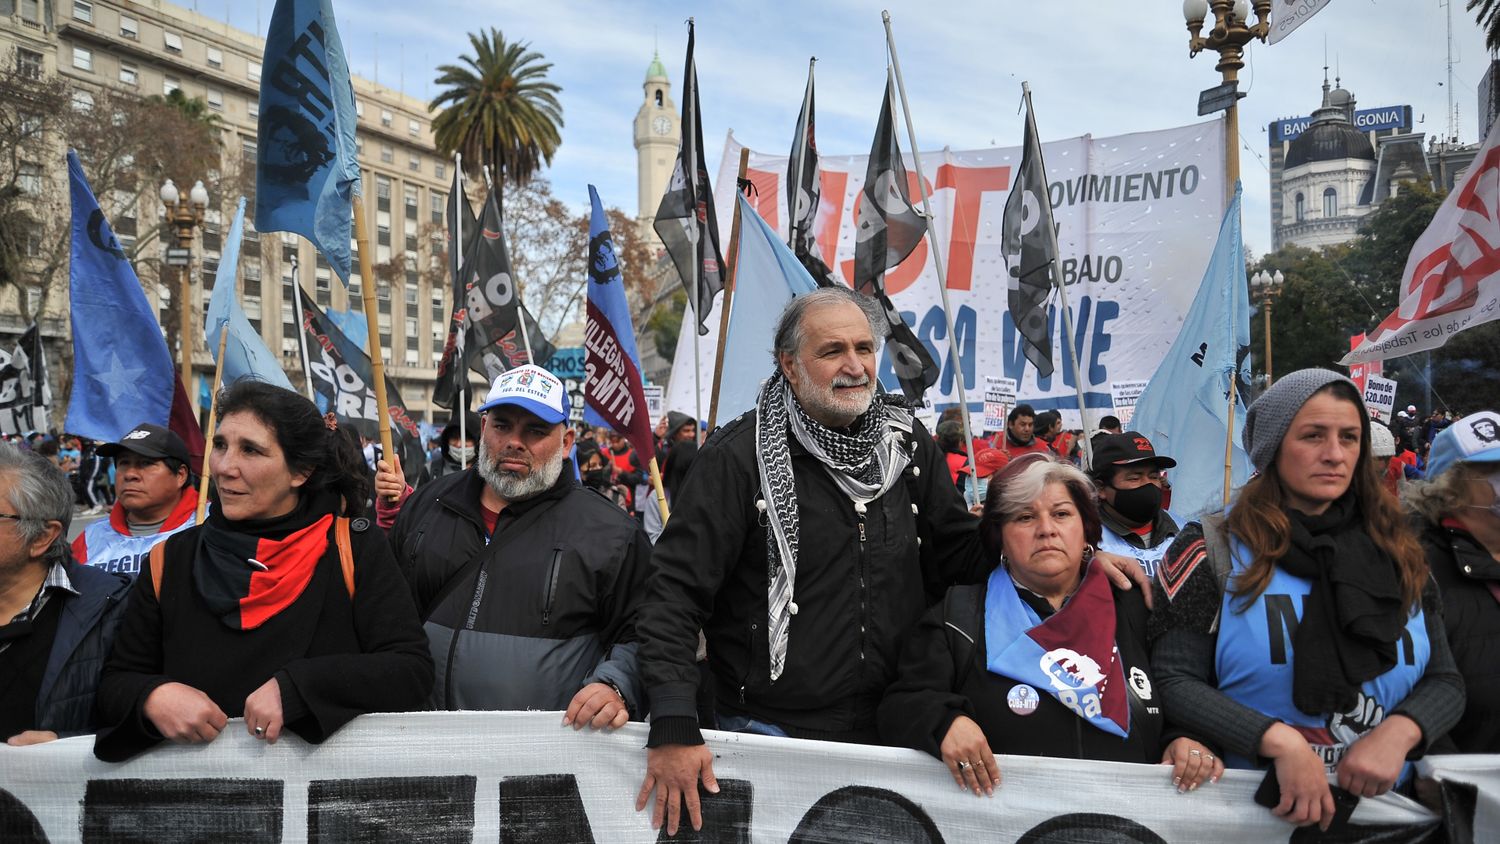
1270	415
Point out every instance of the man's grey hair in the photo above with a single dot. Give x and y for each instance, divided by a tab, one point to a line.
39	493
1437	498
789	331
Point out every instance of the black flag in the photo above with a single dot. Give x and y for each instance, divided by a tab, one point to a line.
803	191
341	378
462	225
685	221
492	309
1027	244
25	395
889	229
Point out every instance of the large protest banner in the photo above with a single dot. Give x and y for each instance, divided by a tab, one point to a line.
1136	214
487	776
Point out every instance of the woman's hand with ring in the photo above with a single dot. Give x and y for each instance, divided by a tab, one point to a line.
967	754
1192	764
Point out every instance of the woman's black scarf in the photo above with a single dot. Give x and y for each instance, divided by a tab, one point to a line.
247	572
1353	616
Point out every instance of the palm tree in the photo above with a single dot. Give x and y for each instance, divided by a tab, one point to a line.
500	109
1489	18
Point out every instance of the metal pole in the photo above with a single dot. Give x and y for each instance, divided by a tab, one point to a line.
1269	377
937	254
301	328
461	372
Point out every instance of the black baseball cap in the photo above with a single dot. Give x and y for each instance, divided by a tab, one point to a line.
149	440
1127	449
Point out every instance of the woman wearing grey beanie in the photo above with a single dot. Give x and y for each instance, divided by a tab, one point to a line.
1303	617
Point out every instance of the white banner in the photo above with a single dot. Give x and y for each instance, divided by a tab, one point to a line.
1286	16
1380	398
656	402
487	776
1137	216
1123	395
999	398
1470	788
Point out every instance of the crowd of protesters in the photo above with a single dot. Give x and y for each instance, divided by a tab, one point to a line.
830	569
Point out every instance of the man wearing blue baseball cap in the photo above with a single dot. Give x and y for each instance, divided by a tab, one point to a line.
1459	505
526	581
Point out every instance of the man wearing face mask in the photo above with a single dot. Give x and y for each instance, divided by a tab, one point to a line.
1128	472
458	449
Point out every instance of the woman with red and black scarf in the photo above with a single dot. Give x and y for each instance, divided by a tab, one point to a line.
254	613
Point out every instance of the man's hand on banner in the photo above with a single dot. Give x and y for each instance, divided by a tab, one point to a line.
597	706
674	771
184	714
26	738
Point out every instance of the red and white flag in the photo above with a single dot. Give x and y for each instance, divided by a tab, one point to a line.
1452	277
1358	372
1287	15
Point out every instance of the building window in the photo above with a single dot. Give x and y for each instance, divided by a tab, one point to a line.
29	178
437	205
83	101
387	155
386	118
29	64
658	99
31	126
439	169
215	57
414	163
413	128
411	354
215	99
252	70
83	59
31	11
129	75
1300	203
411	203
172	41
170	84
128	27
83	10
1330	203
382	188
252	106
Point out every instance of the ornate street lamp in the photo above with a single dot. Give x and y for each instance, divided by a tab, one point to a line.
1229	31
184	216
1266	287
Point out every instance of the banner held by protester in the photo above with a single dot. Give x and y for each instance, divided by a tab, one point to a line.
25	395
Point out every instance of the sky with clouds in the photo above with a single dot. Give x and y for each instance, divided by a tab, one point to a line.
1100	67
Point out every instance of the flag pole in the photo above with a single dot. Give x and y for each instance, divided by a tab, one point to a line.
213	406
796	176
661	494
377	362
937	254
301	330
520	292
732	262
1062	289
460	371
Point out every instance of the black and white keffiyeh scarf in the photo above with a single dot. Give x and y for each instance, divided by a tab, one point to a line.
865	463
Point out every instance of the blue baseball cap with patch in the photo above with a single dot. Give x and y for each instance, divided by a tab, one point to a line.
1472	439
530	388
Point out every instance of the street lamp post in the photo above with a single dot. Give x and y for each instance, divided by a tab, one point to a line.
184	217
1266	288
1229	32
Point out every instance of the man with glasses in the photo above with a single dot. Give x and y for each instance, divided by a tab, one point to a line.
154	498
57	618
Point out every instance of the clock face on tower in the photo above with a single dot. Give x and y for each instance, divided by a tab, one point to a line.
662	125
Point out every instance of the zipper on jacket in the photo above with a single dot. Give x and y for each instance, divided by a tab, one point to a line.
551	593
859	513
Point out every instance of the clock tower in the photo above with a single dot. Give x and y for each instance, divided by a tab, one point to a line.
657	133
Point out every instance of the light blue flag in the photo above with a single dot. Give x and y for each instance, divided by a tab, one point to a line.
122	372
767	276
245	353
306	172
1184	409
352	323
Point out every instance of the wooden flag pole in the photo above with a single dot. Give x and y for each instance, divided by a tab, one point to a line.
1229	437
732	265
377	363
937	256
661	495
213	406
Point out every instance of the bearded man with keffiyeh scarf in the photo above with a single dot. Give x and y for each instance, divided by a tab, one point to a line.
810	536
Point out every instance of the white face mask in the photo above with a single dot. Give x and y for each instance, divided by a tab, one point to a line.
462	453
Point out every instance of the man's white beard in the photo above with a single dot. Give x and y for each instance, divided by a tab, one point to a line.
512	487
823	402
